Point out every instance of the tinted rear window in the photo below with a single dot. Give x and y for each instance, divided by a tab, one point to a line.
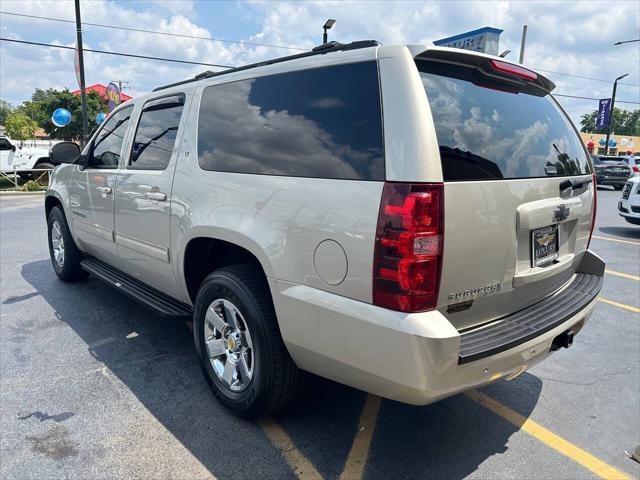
324	122
488	133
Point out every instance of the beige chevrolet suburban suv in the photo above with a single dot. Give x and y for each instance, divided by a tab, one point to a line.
413	221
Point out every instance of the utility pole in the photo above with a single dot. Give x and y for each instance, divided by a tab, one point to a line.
83	93
522	42
120	83
613	101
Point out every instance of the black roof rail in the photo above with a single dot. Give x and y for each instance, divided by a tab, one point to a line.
319	50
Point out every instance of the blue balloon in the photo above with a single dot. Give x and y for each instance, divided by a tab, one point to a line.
602	141
612	143
100	118
61	117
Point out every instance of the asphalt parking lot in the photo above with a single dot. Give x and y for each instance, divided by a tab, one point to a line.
95	386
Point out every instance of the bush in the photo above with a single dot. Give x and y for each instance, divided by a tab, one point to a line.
31	186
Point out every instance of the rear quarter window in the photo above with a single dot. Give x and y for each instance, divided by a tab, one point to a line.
489	133
323	122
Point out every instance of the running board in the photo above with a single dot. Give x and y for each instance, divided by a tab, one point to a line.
135	289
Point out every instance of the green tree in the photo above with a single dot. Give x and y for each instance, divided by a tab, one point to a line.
624	122
44	102
20	127
5	109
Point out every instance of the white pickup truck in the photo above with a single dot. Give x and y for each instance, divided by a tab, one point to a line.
22	159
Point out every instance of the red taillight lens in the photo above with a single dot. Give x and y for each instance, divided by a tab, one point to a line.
595	209
636	169
514	70
408	249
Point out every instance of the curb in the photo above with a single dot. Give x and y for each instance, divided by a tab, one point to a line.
16	193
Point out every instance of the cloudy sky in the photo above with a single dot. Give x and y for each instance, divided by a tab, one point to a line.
567	37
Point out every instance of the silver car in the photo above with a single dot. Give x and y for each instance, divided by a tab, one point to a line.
413	221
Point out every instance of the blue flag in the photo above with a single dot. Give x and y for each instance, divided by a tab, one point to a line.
604	113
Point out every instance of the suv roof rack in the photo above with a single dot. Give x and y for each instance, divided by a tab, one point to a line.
319	50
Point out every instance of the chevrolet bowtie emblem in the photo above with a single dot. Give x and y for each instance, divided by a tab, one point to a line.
560	213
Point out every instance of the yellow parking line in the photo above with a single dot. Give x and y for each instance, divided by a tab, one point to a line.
624	275
299	463
547	437
621	305
357	459
615	240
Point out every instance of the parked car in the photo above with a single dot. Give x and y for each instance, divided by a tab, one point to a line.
611	170
376	215
21	160
629	204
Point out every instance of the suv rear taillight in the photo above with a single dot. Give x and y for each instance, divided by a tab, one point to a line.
636	169
595	208
407	259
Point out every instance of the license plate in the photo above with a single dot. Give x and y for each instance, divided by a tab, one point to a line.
544	246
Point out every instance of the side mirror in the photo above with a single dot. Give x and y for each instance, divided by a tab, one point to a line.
13	147
64	152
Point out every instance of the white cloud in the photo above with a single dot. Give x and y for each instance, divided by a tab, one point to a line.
574	37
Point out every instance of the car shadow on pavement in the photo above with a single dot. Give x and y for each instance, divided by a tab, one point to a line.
154	358
631	231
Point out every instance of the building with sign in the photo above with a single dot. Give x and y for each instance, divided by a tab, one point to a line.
102	90
484	40
618	144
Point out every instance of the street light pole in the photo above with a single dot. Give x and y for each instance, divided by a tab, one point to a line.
613	101
522	42
83	93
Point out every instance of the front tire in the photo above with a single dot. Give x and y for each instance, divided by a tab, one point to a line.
64	253
239	346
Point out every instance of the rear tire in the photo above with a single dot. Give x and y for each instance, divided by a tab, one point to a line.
64	253
263	378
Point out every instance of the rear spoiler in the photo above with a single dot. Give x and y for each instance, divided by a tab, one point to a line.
480	61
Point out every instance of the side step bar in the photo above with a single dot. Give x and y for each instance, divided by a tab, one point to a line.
531	322
150	297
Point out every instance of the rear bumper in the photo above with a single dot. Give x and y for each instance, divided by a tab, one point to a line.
413	358
610	180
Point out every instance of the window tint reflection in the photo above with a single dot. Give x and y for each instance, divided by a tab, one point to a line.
108	143
485	133
156	134
323	122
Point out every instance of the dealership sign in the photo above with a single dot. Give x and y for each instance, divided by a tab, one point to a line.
113	96
481	40
604	113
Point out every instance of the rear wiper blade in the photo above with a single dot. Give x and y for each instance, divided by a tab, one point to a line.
575	183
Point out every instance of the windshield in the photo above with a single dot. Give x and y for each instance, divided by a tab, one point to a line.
487	133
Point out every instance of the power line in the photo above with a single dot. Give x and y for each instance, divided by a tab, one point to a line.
118	27
585	78
155	32
119	54
146	57
591	98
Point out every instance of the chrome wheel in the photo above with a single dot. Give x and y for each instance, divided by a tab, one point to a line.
57	243
228	343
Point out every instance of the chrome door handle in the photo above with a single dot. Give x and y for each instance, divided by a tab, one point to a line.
104	190
156	196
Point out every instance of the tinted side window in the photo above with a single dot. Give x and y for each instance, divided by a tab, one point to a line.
325	122
156	134
108	143
4	144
